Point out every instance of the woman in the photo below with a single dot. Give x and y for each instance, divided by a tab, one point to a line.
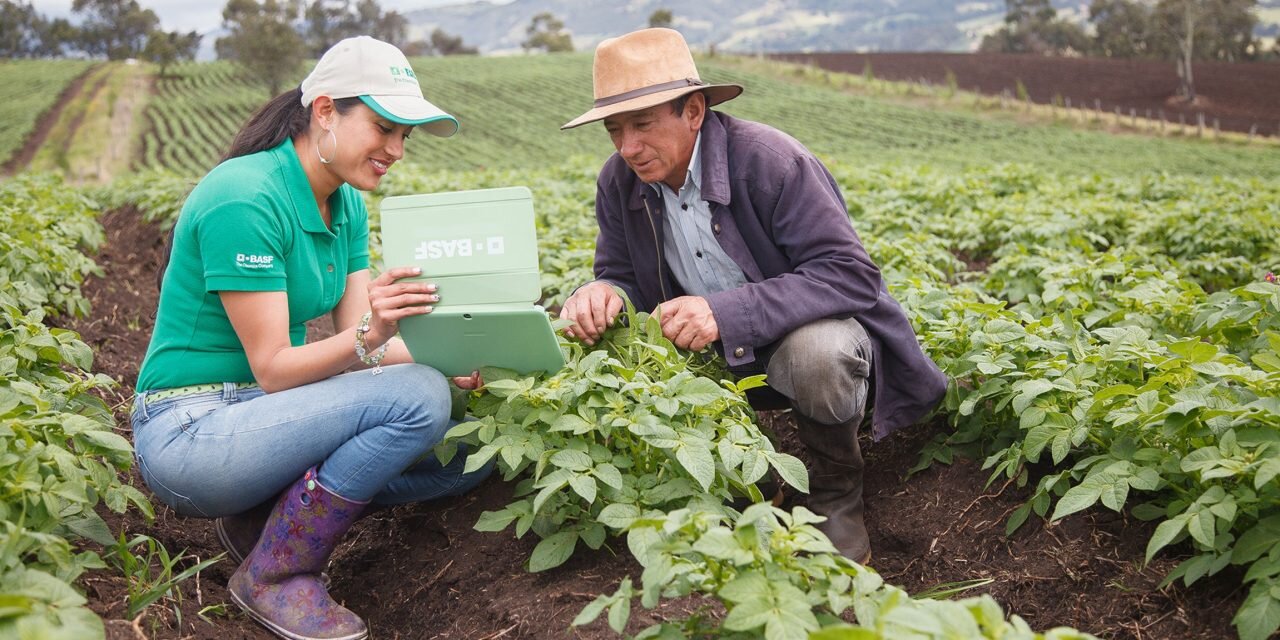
233	408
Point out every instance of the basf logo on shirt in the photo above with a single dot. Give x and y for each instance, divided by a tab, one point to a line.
249	261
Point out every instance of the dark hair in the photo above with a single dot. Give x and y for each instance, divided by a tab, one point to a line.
677	105
282	117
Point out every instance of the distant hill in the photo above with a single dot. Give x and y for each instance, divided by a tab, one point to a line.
744	26
751	26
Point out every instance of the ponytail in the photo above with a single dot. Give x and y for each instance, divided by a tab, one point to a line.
282	117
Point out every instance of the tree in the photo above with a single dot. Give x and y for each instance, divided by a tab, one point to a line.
262	40
1033	26
547	32
116	29
661	18
1122	28
1189	30
167	47
20	29
328	21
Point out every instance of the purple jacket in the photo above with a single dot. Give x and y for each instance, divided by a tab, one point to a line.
778	213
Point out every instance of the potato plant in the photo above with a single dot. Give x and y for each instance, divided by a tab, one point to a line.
627	427
59	454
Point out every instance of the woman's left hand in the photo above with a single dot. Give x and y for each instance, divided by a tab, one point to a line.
471	382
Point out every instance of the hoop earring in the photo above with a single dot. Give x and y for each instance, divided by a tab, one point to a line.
334	137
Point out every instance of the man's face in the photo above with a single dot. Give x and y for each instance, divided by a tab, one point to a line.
657	143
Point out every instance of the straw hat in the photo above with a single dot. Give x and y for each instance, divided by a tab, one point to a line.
646	68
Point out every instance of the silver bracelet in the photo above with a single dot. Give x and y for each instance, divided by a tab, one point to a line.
362	346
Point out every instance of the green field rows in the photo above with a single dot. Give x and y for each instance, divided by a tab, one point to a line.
28	89
511	108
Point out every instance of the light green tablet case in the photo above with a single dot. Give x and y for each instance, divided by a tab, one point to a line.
481	249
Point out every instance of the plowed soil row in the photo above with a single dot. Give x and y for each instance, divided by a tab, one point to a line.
421	571
45	125
1240	95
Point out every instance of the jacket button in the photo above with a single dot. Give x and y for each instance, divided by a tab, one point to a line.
330	268
716	228
737	353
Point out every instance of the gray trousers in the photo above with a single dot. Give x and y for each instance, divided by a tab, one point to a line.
824	369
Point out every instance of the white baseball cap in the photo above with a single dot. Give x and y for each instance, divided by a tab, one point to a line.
380	75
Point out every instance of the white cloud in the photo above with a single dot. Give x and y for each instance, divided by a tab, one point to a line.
206	15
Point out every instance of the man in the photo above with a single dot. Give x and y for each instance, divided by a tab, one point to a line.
742	236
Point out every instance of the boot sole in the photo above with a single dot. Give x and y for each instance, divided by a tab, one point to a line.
281	631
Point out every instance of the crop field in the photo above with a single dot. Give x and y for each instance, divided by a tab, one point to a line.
510	110
28	89
1241	96
1101	303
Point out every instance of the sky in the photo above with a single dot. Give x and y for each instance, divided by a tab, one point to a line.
206	15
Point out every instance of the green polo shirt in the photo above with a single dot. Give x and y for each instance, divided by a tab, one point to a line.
251	224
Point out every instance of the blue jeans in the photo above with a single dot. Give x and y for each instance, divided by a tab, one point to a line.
221	453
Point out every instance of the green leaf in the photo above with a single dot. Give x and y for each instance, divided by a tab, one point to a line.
1165	533
592	611
791	469
1201	527
571	422
1266	472
699	391
1077	498
746	586
571	459
721	544
698	462
1003	331
609	475
1016	520
618	515
584	486
1259	616
619	613
1027	391
553	551
91	526
495	520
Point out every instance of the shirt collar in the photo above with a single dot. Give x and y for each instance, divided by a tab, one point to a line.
299	188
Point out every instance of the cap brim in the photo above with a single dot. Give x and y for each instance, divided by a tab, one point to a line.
716	93
414	111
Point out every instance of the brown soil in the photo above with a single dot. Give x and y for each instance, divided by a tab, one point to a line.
421	571
45	125
1240	95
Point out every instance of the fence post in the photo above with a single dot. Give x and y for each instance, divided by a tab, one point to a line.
1162	122
1217	129
1253	131
1200	124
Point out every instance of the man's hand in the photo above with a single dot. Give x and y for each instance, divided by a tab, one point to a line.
591	309
687	322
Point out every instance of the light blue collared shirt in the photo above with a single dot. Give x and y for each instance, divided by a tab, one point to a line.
694	255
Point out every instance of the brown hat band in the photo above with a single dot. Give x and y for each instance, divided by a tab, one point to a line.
644	91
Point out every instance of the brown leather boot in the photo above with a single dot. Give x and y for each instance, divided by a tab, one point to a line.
835	484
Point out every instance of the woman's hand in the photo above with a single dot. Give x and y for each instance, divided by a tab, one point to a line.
471	382
391	301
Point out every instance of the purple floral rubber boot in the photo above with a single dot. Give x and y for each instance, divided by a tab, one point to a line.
279	585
